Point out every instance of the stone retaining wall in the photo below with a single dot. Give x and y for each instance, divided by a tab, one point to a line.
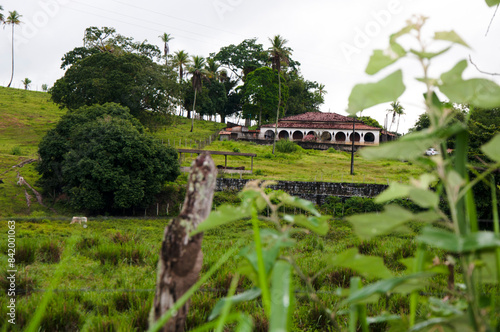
316	192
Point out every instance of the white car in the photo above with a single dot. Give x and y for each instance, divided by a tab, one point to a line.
431	152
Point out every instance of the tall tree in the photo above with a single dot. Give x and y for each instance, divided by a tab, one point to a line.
279	54
198	72
13	19
243	58
260	95
26	82
396	110
2	17
165	38
181	60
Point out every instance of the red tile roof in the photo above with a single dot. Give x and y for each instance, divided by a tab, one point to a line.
318	116
358	126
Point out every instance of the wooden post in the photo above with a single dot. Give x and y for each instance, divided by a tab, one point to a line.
180	255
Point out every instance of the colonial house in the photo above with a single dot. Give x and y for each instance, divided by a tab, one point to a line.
322	127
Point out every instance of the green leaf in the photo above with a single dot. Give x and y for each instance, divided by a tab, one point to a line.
281	297
492	148
492	3
383	58
298	203
364	96
382	287
318	225
487	267
369	225
458	244
451	36
394	191
385	317
411	146
407	29
478	92
423	197
429	55
368	266
248	295
223	215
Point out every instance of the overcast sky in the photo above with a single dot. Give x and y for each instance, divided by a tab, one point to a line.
331	39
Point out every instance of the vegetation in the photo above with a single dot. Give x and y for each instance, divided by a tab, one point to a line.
13	19
100	157
111	273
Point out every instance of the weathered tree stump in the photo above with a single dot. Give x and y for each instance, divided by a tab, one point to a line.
180	256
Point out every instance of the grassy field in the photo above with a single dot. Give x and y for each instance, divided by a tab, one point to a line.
108	282
25	116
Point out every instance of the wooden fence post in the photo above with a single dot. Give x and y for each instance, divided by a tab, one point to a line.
180	255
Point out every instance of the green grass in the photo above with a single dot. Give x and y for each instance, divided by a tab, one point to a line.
25	116
112	273
310	165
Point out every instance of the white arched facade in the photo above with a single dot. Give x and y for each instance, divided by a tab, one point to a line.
362	136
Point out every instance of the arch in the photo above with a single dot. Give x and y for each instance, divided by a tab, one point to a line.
297	135
369	138
356	137
269	134
283	134
340	137
326	136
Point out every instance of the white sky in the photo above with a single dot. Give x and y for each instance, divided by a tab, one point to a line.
316	30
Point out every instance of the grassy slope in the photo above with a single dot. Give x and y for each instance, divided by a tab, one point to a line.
25	116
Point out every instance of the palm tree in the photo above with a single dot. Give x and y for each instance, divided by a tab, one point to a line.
165	38
396	110
26	83
181	59
212	68
2	18
198	73
321	90
13	19
279	54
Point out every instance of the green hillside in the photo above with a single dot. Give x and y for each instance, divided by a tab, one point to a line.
25	116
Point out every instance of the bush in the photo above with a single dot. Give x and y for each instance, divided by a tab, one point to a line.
16	151
102	159
286	146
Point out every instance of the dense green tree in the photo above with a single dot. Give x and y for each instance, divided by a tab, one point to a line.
369	121
107	40
13	19
260	95
483	125
101	158
132	80
243	58
303	95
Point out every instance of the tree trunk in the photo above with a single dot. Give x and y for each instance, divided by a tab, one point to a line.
277	112
12	72
180	255
192	117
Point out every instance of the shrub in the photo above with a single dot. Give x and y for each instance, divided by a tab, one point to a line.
16	151
50	251
286	146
